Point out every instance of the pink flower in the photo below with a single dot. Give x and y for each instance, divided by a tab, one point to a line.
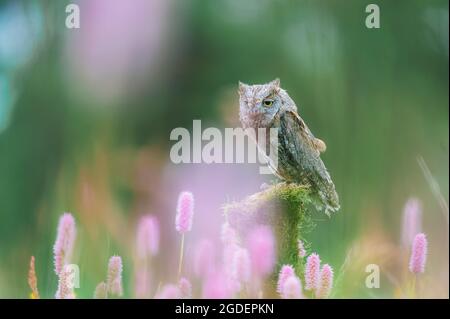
412	221
114	280
185	212
233	286
230	246
147	240
105	57
142	283
228	255
65	289
285	272
418	254
326	282
292	288
216	286
204	258
169	292
312	272
185	288
101	291
261	245
228	235
65	240
301	249
241	265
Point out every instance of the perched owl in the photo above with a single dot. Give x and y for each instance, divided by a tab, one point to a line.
269	106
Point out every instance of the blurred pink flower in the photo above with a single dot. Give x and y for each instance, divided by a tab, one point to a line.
312	272
65	290
418	254
292	288
101	291
216	286
301	249
228	235
169	291
142	283
412	221
241	266
118	46
65	240
233	286
204	257
326	282
261	246
230	246
185	212
185	288
228	255
285	272
114	280
147	240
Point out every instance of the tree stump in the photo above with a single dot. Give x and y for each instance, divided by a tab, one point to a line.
283	207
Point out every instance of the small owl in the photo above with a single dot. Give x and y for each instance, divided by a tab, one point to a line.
269	106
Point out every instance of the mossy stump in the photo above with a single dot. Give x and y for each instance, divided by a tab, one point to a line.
283	206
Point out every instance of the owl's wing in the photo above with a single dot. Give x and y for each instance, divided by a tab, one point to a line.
316	144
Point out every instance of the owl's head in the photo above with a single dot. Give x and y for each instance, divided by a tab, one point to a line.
259	103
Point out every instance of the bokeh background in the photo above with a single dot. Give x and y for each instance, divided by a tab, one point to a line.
85	118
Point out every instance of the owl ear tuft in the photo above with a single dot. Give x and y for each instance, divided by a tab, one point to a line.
275	86
242	87
275	83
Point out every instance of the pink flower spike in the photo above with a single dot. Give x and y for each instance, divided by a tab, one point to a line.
228	258
326	282
169	292
101	291
412	221
285	272
64	243
228	235
185	212
142	283
204	258
292	288
241	265
147	240
114	278
65	289
418	254
312	272
216	286
185	288
301	249
261	245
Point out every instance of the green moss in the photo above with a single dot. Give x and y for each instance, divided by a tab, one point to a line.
293	225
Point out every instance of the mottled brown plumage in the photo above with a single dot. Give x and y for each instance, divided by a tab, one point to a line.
269	106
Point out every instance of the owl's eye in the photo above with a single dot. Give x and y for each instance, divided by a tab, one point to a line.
268	102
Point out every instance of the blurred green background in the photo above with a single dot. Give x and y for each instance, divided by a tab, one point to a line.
85	118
